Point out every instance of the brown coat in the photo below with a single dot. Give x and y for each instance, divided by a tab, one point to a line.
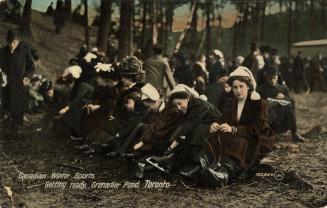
166	123
254	138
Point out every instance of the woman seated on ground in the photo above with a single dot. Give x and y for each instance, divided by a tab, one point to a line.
189	139
71	114
239	141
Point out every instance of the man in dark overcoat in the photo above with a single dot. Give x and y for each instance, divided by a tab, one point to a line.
283	105
17	62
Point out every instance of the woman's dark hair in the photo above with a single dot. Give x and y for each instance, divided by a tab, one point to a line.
200	57
246	80
131	77
179	95
68	79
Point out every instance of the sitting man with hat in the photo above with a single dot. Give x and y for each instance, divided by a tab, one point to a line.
281	104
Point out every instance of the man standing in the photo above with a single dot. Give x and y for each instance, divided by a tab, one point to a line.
16	60
158	72
299	74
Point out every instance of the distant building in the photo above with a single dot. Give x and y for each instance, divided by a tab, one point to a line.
310	48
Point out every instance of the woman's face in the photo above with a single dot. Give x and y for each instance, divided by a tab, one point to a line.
126	81
240	89
100	81
181	104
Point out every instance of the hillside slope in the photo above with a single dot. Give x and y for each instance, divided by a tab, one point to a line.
54	49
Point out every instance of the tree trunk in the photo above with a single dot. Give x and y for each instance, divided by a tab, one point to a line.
263	19
142	39
25	22
86	24
208	28
219	18
161	29
323	18
170	16
312	21
154	22
126	28
105	24
68	8
244	27
169	22
290	23
194	23
183	34
256	21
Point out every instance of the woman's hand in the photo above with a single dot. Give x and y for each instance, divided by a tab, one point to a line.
280	96
214	127
64	110
26	81
226	128
91	108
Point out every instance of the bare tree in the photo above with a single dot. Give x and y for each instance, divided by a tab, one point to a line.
323	18
290	28
263	20
25	22
312	21
208	27
144	23
105	24
68	8
126	28
86	24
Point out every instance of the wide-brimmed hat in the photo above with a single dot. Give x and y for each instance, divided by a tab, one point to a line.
131	66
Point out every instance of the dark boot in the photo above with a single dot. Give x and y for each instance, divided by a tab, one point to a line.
132	155
297	137
113	154
191	173
139	172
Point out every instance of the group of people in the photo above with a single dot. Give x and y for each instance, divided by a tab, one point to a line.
206	121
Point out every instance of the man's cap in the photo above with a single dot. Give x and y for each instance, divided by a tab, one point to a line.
11	35
271	71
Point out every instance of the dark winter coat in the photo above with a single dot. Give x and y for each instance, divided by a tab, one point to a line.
213	93
298	68
16	66
282	117
195	127
254	138
251	62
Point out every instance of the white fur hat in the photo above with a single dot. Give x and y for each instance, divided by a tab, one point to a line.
185	88
150	92
239	60
74	70
242	71
218	53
